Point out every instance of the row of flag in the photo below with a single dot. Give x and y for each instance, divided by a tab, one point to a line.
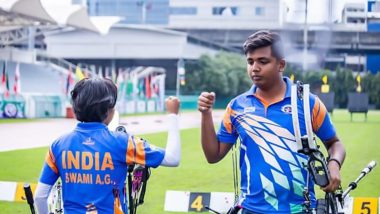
5	86
78	75
123	80
5	82
147	86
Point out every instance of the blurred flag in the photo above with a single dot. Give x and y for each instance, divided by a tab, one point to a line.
359	87
100	73
86	73
78	73
17	83
324	79
5	81
148	93
2	87
7	84
325	88
292	77
120	78
129	87
156	89
358	78
107	74
140	88
120	82
113	76
69	81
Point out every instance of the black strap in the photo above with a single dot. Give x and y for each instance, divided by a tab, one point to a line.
130	201
29	197
146	175
299	90
137	181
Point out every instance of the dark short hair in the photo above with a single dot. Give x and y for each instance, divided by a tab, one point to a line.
92	98
264	38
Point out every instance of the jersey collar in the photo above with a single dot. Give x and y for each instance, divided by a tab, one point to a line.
252	90
85	126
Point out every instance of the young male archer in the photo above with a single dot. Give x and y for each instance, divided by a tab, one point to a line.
272	173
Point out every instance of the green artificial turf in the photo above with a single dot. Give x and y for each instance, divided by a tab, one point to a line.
360	138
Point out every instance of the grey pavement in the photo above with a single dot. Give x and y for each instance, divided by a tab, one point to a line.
41	133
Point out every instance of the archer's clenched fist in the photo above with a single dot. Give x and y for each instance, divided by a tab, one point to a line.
172	105
205	101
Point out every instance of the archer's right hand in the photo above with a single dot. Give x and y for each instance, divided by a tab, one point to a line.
205	101
172	105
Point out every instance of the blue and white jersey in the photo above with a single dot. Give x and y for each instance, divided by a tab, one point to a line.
272	172
91	162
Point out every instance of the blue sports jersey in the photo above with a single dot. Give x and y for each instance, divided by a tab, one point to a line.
272	174
91	162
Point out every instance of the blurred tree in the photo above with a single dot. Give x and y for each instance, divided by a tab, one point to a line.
374	92
367	82
314	78
225	74
292	70
345	83
195	75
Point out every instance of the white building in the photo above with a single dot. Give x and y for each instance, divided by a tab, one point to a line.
225	14
354	13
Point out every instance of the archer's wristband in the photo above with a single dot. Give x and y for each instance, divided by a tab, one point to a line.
335	160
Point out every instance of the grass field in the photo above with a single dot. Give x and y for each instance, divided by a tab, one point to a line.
195	174
18	120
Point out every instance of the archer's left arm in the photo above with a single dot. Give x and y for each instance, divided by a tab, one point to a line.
337	154
325	130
